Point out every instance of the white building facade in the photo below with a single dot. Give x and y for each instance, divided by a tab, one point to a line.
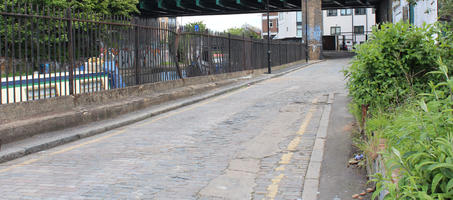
349	26
290	26
422	12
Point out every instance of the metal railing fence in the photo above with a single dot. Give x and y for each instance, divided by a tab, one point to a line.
47	52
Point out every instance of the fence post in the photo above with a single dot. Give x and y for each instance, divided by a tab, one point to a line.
229	52
251	53
300	49
280	51
137	67
286	52
209	54
70	51
244	54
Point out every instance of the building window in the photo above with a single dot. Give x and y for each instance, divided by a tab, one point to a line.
332	13
271	24
335	30
345	12
299	17
358	29
373	11
299	31
360	11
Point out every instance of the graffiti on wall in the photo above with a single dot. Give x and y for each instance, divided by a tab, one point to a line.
314	33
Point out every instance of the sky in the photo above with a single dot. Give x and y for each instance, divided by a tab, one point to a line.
223	22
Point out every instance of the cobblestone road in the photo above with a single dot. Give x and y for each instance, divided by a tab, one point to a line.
254	143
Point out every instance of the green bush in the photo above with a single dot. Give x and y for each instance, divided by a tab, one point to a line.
393	65
420	145
411	106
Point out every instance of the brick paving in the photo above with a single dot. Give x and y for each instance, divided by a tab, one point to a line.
188	153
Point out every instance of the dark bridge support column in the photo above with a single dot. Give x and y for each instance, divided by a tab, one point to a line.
384	12
312	24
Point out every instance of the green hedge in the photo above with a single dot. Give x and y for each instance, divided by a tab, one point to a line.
404	75
394	64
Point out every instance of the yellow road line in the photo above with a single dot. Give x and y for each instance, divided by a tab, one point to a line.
294	143
304	125
19	165
272	189
286	158
280	168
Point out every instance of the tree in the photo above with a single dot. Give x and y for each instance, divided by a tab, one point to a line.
100	7
243	31
191	27
446	10
34	36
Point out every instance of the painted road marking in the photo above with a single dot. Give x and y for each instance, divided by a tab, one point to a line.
286	158
272	189
294	143
304	125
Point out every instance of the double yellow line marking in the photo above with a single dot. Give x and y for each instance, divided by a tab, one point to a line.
272	189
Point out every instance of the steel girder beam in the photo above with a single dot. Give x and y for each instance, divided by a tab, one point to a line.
212	7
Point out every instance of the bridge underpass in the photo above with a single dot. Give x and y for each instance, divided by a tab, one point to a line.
311	9
251	144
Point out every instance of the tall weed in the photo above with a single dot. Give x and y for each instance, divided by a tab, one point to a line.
420	145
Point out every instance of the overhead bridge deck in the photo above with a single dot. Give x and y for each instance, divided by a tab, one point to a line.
216	7
312	9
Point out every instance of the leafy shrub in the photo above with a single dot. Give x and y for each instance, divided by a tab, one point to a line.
420	145
395	69
393	65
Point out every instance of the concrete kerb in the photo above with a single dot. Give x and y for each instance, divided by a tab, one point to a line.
311	181
17	152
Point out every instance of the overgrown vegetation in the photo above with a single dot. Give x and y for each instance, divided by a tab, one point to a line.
24	34
243	32
403	75
394	65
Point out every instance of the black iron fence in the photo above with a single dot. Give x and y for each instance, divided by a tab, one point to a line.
47	52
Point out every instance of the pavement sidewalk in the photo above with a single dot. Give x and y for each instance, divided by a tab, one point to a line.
337	180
